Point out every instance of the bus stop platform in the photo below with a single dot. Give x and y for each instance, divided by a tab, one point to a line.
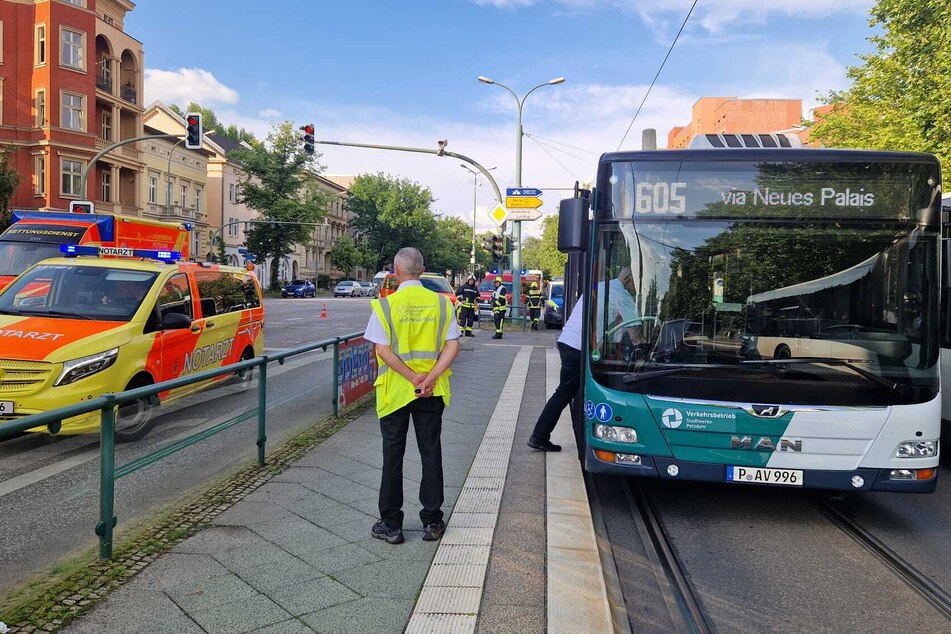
520	553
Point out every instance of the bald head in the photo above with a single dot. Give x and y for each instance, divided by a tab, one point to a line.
408	264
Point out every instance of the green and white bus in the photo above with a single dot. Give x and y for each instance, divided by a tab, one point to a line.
761	315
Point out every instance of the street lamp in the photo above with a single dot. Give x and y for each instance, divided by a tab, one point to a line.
517	224
475	184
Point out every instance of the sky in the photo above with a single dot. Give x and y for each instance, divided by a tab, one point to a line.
404	72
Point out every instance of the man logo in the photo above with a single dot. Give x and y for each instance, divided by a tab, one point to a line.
767	411
672	418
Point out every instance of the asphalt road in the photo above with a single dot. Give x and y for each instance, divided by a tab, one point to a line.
49	484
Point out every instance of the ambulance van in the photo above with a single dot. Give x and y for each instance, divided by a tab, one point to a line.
109	324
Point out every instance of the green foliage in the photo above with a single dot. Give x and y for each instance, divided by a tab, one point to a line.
452	245
898	98
531	254
210	122
550	260
346	256
278	186
9	179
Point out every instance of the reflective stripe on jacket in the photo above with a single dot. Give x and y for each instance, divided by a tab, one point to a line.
534	298
417	322
498	298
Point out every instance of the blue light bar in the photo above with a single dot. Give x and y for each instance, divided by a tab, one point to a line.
73	250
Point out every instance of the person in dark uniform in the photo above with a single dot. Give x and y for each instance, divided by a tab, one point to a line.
534	302
499	304
468	295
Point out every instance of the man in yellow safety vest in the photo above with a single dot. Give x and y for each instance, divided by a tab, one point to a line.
417	339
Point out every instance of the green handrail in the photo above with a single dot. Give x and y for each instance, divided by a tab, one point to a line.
107	405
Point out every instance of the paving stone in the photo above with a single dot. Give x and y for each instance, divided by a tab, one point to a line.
278	492
310	596
250	512
268	567
175	570
240	616
392	579
297	535
135	612
412	549
366	616
211	592
511	619
330	484
216	539
294	626
339	558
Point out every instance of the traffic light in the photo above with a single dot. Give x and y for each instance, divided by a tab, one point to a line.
81	207
508	245
487	245
308	138
497	251
193	131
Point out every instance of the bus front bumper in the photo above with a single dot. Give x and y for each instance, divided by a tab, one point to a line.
660	467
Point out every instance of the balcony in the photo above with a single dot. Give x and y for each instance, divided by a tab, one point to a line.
127	92
104	82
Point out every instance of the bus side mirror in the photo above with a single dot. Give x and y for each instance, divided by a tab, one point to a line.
945	262
573	225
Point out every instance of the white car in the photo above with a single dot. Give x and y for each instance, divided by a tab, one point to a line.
369	290
348	288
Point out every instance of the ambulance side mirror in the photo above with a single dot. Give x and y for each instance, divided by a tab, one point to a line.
176	321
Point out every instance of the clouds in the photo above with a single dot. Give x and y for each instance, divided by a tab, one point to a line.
269	113
186	85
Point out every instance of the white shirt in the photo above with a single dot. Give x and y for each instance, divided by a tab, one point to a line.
621	308
571	331
377	334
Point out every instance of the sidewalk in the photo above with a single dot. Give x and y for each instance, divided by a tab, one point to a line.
296	555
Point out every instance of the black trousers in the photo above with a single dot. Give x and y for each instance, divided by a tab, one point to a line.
427	421
499	317
568	383
534	313
466	318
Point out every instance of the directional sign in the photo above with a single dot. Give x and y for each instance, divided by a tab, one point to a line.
523	202
524	214
522	191
500	214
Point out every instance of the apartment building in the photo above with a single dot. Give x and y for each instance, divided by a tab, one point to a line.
225	212
70	85
729	115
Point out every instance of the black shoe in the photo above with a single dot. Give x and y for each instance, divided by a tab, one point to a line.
391	535
497	335
434	531
469	334
543	445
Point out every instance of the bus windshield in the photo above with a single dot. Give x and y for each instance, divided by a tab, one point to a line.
749	309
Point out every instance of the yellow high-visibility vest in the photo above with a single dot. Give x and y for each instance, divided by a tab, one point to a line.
417	322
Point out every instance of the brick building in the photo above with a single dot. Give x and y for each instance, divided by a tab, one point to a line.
71	84
729	115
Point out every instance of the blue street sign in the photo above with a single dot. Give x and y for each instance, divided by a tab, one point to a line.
603	412
522	191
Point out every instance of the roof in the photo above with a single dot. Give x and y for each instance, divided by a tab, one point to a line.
344	180
227	144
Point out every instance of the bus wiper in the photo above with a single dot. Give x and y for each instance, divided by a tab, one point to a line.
54	313
665	369
845	363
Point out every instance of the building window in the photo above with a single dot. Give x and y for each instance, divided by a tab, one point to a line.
198	192
72	115
39	175
40	52
106	186
71	53
231	196
72	177
184	199
107	126
78	3
153	188
40	108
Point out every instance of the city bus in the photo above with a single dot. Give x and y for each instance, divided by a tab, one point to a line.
761	316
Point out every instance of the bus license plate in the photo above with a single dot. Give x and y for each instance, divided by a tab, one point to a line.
755	475
6	407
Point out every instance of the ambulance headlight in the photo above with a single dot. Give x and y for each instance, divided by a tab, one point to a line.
85	366
614	433
917	449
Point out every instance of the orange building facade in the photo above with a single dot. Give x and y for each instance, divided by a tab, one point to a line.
71	84
729	115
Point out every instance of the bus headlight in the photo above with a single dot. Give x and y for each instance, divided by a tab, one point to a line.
615	434
84	366
917	449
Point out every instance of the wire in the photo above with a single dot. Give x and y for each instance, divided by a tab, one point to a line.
573	147
554	158
586	161
626	132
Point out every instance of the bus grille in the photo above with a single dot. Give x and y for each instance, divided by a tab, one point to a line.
23	377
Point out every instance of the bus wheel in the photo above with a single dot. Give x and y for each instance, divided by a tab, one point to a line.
134	420
245	378
782	352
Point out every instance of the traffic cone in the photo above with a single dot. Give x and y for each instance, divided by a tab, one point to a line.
323	311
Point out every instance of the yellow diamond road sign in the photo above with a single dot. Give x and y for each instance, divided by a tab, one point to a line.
499	214
523	202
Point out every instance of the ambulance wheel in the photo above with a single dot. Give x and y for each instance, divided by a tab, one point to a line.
134	420
244	379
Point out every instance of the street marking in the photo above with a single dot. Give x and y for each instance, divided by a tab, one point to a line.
452	593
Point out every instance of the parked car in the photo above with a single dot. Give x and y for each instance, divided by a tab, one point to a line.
377	281
433	281
553	312
368	289
348	288
299	288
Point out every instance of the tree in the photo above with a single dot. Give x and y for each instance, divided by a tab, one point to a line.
210	122
276	183
391	213
531	254
346	255
9	179
897	98
551	261
452	245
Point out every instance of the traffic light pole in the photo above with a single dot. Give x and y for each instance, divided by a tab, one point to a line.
95	159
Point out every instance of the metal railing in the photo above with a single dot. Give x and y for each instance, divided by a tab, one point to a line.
107	404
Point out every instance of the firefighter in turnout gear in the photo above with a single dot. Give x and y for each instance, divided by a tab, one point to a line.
498	307
468	295
534	303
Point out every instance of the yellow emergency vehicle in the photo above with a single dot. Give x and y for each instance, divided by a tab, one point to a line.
76	327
